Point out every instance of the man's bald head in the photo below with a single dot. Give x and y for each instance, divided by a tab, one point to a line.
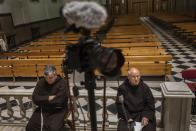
134	76
133	70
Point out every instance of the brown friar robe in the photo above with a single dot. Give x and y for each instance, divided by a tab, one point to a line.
53	112
137	102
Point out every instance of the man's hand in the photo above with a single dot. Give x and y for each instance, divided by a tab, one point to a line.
51	98
144	121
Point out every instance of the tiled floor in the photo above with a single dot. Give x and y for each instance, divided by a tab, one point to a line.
183	54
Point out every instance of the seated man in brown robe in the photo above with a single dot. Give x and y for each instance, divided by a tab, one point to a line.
50	97
135	102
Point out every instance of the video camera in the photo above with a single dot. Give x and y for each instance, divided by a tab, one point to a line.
88	55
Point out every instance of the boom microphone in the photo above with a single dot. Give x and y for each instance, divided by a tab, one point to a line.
88	15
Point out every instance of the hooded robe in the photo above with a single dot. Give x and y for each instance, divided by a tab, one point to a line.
54	111
138	103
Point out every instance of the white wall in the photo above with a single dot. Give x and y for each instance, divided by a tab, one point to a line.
25	11
4	7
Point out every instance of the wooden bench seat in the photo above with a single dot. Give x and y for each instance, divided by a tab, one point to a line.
127	33
143	51
155	59
188	27
65	35
61	48
126	45
56	48
59	39
51	53
185	24
52	43
44	48
140	47
148	65
129	40
71	34
130	31
173	18
149	69
126	36
138	29
127	20
35	54
27	67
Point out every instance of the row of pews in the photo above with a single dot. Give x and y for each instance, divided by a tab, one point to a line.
139	46
184	27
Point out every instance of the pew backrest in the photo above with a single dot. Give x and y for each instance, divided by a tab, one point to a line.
27	67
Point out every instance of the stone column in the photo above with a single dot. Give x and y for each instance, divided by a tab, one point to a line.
176	106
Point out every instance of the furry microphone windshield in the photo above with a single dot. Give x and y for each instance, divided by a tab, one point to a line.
84	14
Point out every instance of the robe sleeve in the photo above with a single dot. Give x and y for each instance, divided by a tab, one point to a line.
119	106
61	98
149	105
39	99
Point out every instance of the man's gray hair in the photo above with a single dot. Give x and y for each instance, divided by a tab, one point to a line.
49	69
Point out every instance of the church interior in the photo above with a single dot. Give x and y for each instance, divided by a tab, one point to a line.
158	37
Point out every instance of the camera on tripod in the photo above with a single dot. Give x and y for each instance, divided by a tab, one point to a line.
88	55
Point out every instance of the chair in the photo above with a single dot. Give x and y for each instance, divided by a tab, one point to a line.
190	74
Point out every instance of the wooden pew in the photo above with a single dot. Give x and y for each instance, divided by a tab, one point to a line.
173	18
61	48
149	69
148	65
155	59
126	45
58	39
30	55
130	31
185	24
138	29
52	43
127	20
130	40
126	36
60	33
56	48
112	41
65	35
27	67
143	52
60	54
